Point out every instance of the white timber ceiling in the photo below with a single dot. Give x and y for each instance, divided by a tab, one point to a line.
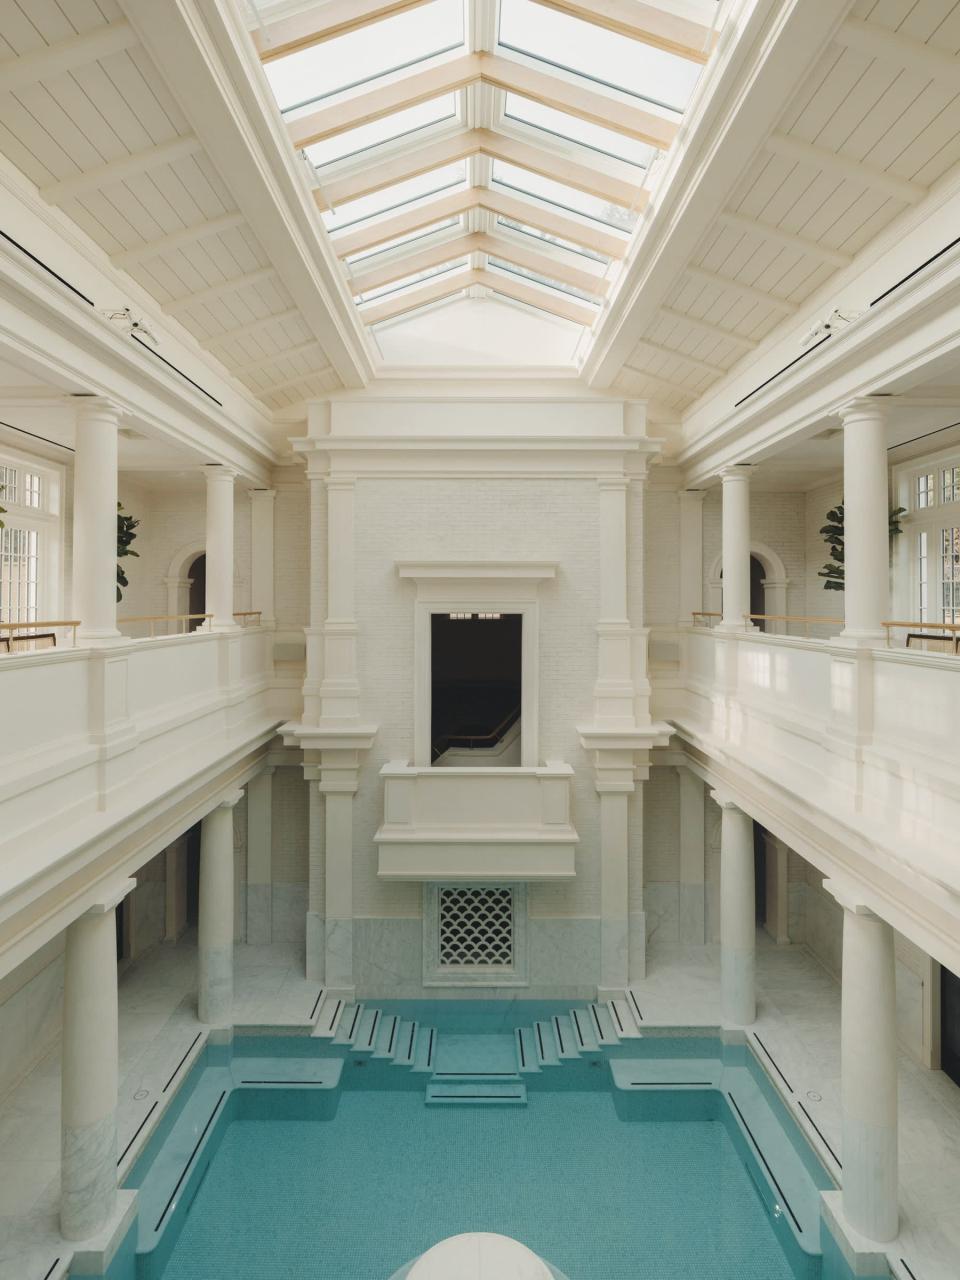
87	117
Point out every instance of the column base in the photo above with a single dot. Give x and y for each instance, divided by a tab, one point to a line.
93	1256
734	626
614	953
856	639
338	953
738	999
88	1178
316	947
100	639
637	963
215	995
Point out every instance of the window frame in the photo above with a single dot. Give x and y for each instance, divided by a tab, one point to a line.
46	521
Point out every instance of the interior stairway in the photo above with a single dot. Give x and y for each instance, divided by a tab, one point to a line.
486	1069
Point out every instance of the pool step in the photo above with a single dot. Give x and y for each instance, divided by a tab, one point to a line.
545	1043
628	1024
349	1024
406	1044
328	1018
603	1024
478	1092
666	1073
584	1031
564	1036
368	1028
527	1060
426	1048
386	1044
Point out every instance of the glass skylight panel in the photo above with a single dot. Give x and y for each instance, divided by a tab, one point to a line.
400	124
511	268
408	239
661	79
596	137
420	277
349	62
397	196
556	242
564	197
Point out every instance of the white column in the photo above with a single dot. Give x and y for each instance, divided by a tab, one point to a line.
691	553
89	1071
866	517
95	520
339	779
260	857
314	633
692	850
220	547
262	502
738	915
215	924
316	885
613	692
614	890
736	547
868	1070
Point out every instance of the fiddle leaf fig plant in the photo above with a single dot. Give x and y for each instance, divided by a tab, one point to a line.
833	535
126	532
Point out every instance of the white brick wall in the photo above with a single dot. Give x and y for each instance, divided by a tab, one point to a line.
820	603
661	557
777	521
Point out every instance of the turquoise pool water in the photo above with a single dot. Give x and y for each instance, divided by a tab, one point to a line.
289	1156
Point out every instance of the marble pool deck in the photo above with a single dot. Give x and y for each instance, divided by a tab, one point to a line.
798	1026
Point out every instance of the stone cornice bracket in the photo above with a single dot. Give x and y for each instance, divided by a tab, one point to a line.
232	798
849	897
724	800
110	897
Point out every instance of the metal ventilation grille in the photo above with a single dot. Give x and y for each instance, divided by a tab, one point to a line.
476	927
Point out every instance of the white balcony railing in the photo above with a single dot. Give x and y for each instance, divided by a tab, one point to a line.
476	824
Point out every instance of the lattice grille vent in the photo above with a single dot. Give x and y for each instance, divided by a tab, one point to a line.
476	927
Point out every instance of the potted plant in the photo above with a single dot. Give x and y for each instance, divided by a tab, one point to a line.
833	535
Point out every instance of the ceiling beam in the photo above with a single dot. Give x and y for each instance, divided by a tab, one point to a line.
713	330
105	175
866	175
249	330
715	370
875	41
643	22
436	290
447	77
468	142
676	388
64	56
745	291
460	202
776	235
177	240
289	383
479	242
429	291
280	36
254	366
556	304
176	305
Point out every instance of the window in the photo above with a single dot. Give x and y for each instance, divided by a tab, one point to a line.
555	241
563	197
950	486
398	196
561	125
349	62
421	277
922	580
950	573
410	238
515	270
925	491
400	124
475	935
29	542
475	698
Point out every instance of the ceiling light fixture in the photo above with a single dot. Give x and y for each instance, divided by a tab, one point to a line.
134	328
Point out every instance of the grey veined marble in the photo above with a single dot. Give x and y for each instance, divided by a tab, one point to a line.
88	1177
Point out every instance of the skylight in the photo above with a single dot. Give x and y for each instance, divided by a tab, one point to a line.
513	269
555	242
397	196
660	79
567	198
351	61
401	124
419	277
421	233
573	129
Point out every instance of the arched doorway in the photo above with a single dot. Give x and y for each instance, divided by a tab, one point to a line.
758	592
768	586
197	573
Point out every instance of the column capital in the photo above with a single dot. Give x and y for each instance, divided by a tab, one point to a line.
109	898
98	407
735	471
218	472
341	482
864	407
849	897
232	797
725	800
262	495
694	497
614	483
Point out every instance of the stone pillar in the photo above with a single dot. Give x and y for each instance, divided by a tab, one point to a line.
313	634
692	906
736	548
614	890
738	915
316	886
220	547
868	1070
614	691
215	925
262	502
339	780
691	553
260	857
89	1071
95	520
866	597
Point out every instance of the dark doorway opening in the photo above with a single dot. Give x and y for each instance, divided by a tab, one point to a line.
757	575
122	920
476	665
950	1024
197	573
193	875
760	873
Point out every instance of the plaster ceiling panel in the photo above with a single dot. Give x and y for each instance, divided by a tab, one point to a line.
826	90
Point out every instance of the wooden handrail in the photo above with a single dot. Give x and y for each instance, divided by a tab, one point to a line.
700	613
922	626
154	618
43	625
250	613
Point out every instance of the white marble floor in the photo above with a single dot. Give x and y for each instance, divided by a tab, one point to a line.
798	1025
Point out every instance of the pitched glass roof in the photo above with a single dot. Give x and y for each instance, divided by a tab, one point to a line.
550	186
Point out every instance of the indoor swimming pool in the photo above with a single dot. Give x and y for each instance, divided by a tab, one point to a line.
346	1157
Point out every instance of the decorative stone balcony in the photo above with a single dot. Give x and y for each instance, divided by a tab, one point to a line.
476	824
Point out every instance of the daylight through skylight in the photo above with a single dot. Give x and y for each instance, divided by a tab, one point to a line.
401	124
561	125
